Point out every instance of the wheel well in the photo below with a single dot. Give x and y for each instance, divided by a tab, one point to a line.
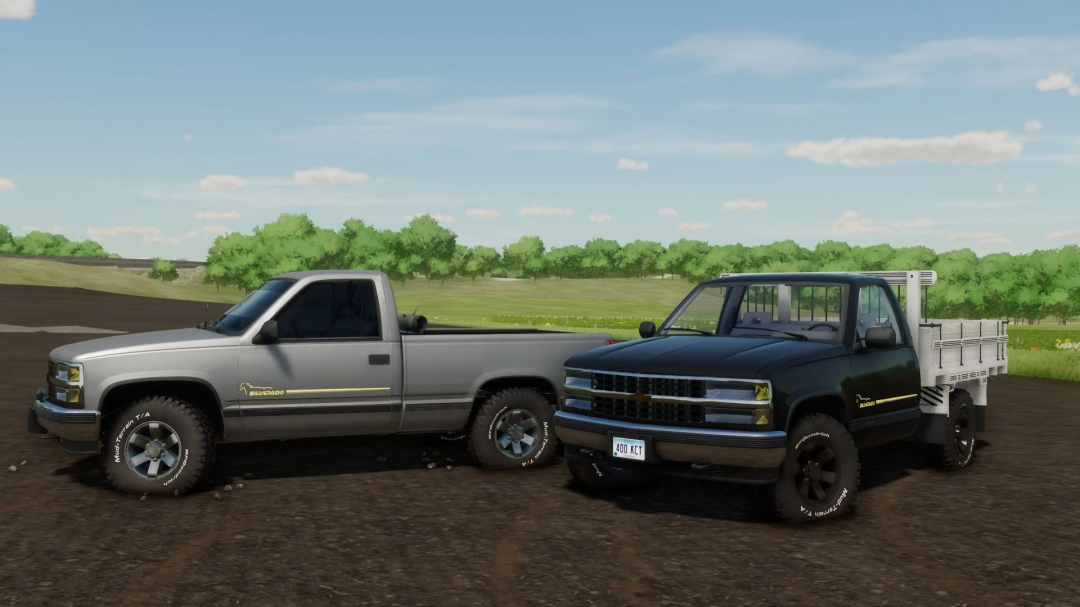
494	386
830	405
194	392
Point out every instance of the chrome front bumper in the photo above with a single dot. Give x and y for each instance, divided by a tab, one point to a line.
78	425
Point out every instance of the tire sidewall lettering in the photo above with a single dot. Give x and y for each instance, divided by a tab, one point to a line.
122	438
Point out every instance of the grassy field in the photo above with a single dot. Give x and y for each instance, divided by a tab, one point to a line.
613	306
54	274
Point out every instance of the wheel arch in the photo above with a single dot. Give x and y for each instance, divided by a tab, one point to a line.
827	402
195	391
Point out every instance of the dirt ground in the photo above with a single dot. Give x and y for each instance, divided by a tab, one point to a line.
324	522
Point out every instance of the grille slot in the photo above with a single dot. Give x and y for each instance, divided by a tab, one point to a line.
653	386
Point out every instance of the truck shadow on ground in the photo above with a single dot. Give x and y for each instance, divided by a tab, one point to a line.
881	466
310	457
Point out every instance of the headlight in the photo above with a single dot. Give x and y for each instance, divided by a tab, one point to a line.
737	391
69	373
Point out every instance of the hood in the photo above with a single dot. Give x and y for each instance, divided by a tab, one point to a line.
153	341
735	357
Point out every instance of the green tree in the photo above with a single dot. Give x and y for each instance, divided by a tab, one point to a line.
565	261
163	270
480	261
527	249
639	258
499	272
718	261
681	256
424	241
440	270
7	241
600	257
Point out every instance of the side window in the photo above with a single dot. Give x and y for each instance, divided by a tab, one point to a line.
875	310
332	309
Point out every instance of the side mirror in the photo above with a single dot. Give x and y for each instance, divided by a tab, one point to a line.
268	334
412	323
880	338
647	329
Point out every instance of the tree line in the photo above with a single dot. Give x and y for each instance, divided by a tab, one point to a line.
1025	287
44	243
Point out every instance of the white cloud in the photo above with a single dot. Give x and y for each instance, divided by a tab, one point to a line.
626	164
1058	81
52	230
536	211
218	215
221	182
600	217
1064	234
328	176
914	224
483	213
852	223
487	121
1029	188
147	235
981	205
216	230
191	234
976	60
975	147
649	143
983	238
668	213
787	110
6	185
400	86
692	226
189	137
16	9
760	54
1033	126
1001	187
438	217
743	205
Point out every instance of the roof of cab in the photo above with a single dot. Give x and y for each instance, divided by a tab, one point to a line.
796	277
331	274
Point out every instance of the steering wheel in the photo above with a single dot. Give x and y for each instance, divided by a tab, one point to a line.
821	324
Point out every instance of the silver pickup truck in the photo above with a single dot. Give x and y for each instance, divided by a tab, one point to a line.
308	354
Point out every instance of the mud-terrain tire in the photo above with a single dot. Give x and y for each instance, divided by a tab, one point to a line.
595	476
513	429
959	448
158	445
819	478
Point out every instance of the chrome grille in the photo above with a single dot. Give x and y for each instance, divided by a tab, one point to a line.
653	386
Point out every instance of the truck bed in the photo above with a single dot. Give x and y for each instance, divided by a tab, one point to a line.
954	351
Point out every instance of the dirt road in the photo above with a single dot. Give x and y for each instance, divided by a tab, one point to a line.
324	522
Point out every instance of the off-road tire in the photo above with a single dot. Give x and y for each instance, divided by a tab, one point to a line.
197	450
821	434
595	476
483	445
959	448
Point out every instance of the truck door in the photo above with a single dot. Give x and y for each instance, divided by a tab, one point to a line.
331	372
882	381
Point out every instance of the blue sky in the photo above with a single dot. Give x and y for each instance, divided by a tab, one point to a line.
153	126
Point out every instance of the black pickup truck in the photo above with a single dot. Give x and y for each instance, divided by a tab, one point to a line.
778	379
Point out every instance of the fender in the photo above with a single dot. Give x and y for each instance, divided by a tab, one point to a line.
810	392
524	373
110	384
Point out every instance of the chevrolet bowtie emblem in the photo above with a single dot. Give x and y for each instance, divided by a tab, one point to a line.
640	398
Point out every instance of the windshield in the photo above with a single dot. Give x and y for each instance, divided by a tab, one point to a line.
806	312
239	317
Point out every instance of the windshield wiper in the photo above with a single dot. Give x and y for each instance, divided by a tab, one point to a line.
207	325
795	335
689	329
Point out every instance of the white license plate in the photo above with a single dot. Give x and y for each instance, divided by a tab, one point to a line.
628	448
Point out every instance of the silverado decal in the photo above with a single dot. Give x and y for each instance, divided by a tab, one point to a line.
864	402
250	390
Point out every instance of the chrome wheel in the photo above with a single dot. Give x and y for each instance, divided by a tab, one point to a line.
153	450
516	433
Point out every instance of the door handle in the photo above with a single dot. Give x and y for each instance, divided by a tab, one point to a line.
378	359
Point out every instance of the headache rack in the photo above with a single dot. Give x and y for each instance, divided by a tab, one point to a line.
950	351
